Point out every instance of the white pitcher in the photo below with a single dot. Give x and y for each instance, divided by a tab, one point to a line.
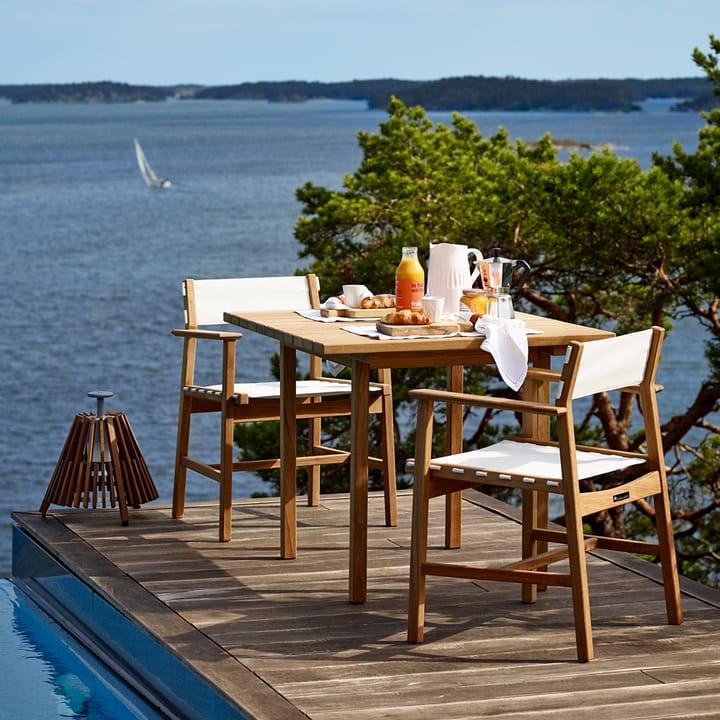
449	272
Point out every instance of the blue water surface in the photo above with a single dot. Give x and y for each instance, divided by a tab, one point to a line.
46	674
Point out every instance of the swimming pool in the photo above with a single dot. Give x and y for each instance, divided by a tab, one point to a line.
46	674
113	634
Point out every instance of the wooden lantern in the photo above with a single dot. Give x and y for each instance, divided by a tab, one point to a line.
100	465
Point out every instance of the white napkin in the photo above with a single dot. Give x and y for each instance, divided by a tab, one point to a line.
334	303
506	341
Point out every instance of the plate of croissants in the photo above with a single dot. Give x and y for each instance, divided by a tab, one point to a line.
370	308
413	322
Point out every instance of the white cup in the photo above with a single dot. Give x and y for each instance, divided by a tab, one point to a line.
354	295
433	307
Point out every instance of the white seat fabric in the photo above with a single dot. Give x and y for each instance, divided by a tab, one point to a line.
305	388
534	461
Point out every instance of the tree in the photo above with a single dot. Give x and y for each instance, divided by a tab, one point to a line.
696	471
610	244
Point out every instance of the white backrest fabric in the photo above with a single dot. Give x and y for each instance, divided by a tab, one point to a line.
217	296
612	363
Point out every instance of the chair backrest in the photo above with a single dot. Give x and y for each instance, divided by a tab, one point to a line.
617	362
207	300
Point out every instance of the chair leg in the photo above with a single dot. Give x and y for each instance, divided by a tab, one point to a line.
668	562
314	435
663	516
575	543
418	543
580	598
387	440
578	579
181	451
226	462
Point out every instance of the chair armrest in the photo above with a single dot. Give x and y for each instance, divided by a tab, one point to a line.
325	378
487	401
340	381
207	334
635	389
546	374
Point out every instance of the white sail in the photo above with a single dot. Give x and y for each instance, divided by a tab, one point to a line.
149	175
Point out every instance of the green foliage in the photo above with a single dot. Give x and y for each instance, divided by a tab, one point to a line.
699	172
697	520
610	245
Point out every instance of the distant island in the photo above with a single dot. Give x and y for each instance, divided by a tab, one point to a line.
460	93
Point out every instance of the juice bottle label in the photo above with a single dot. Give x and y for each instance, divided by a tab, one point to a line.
408	294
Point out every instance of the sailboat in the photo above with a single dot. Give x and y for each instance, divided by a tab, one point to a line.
149	175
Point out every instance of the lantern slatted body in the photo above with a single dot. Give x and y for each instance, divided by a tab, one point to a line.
100	465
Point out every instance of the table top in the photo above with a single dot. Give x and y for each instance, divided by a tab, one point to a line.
330	341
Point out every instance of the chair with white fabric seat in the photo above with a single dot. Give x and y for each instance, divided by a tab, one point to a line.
627	363
248	402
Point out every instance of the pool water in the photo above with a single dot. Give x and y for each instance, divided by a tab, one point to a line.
46	674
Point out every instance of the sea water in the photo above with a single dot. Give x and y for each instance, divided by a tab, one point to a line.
92	259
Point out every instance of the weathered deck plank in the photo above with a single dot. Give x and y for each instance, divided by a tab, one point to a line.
486	654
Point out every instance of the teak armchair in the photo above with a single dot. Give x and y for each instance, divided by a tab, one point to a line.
627	363
317	398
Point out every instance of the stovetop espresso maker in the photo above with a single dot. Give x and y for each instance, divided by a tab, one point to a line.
499	276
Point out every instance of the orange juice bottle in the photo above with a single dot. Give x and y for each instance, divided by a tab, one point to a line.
409	281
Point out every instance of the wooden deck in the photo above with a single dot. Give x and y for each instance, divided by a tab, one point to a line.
280	637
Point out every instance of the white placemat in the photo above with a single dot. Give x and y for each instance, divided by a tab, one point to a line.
372	332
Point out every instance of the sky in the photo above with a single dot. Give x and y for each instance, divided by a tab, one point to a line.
217	42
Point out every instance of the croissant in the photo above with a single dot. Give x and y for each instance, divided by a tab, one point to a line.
407	317
378	301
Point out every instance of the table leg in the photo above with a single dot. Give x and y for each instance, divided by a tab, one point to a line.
454	426
359	481
535	504
288	453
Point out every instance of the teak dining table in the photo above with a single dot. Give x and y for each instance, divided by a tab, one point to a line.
362	354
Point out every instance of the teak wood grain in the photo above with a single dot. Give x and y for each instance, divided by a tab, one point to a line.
281	638
331	342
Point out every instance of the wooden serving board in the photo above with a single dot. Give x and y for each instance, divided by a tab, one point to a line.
438	328
369	313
